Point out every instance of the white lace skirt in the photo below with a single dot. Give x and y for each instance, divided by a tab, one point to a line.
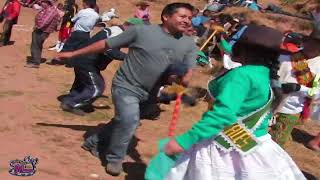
205	161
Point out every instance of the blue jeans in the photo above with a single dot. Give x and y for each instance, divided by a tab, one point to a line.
123	125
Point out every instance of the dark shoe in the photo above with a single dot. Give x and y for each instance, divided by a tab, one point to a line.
150	111
88	108
114	169
92	149
166	98
52	46
62	97
72	110
188	100
55	62
31	65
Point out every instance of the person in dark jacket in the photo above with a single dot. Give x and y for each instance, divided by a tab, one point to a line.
89	84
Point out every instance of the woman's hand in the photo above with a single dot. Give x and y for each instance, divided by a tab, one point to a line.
172	147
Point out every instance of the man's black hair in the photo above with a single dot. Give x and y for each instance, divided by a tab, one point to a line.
170	9
90	3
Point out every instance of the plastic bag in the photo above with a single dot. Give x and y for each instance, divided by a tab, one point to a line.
202	59
161	164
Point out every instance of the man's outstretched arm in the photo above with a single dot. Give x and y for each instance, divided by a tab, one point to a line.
122	40
95	48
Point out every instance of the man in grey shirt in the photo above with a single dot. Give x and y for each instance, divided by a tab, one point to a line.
151	50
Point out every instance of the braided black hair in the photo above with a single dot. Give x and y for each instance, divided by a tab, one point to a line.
258	55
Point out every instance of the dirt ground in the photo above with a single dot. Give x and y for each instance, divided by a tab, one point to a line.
32	123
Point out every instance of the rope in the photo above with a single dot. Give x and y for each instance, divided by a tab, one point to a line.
175	116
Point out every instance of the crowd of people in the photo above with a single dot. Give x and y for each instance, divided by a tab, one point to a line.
265	88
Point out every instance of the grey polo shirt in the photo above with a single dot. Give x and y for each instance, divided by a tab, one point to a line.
151	51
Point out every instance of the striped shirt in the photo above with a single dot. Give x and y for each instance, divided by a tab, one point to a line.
47	20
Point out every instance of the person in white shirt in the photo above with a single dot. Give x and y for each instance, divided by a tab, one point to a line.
84	22
86	18
291	108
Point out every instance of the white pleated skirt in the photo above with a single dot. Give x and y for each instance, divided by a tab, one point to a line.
204	161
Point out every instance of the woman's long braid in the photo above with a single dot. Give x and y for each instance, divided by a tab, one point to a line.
274	66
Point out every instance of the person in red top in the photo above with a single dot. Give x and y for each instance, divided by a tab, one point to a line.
142	11
70	10
10	14
46	22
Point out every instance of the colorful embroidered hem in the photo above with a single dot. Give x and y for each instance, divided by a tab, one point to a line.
281	131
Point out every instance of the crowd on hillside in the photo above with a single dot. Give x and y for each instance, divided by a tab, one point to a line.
269	82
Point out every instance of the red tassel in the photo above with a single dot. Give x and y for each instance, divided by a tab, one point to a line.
175	116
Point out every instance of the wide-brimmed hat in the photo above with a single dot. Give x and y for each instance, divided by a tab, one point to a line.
292	42
142	3
262	36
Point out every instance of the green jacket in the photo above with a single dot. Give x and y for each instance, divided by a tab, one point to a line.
237	93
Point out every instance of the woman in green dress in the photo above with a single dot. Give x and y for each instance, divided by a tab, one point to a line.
231	140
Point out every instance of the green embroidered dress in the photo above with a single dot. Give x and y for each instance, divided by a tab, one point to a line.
238	93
